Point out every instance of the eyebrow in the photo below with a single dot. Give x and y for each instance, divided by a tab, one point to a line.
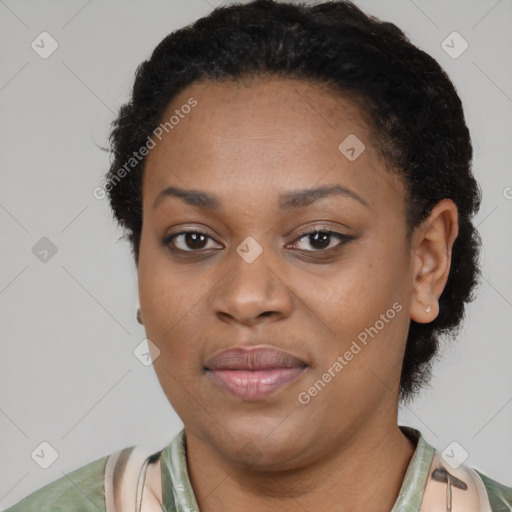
294	199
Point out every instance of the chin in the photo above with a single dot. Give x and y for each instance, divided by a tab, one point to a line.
264	443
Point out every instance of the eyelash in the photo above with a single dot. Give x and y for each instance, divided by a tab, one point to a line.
344	239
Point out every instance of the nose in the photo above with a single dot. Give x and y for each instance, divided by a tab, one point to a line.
252	292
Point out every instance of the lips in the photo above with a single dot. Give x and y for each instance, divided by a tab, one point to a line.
253	373
261	358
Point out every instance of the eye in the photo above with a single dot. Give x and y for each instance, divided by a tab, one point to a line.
321	240
187	241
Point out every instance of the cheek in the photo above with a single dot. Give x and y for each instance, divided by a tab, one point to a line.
172	313
350	296
171	308
169	303
166	294
362	302
360	357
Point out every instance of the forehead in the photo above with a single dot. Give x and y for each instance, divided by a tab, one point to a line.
269	133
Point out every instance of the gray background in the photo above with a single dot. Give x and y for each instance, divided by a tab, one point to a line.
68	375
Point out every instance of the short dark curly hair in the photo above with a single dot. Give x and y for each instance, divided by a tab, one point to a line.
416	119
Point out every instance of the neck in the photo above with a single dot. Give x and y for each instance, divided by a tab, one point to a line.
365	473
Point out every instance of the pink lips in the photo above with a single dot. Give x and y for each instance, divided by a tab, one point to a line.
253	373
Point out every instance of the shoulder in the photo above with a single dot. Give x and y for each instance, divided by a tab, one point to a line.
500	496
80	490
454	486
449	484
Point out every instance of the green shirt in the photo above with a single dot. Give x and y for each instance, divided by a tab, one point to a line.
429	481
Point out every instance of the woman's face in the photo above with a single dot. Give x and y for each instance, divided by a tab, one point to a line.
338	303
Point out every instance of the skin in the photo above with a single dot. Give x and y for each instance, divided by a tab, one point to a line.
247	143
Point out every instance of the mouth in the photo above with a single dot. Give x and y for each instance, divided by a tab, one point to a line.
255	384
253	373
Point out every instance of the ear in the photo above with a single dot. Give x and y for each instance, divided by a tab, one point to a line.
431	248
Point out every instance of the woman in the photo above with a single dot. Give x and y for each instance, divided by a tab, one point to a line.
295	184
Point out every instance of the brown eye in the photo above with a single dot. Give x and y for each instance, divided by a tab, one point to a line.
320	240
187	241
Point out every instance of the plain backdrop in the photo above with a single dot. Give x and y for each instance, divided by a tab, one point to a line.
68	374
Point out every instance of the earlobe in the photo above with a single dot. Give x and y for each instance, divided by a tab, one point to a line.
424	307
